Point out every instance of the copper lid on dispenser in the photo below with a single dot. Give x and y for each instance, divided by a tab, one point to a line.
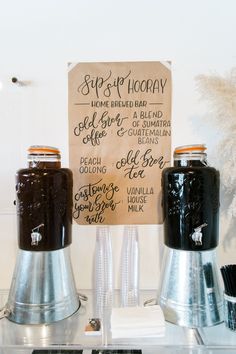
186	149
43	150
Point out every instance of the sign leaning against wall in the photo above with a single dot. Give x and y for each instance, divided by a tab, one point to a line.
120	140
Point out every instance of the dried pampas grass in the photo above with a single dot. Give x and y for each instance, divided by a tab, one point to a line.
220	95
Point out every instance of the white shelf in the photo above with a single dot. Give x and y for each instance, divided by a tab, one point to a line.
69	335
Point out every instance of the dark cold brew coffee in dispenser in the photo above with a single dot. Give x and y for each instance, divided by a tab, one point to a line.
189	293
43	288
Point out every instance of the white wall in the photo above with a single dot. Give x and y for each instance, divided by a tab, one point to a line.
38	38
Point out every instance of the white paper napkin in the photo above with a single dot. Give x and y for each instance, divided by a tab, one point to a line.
132	322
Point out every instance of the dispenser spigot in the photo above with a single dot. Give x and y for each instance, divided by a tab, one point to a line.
197	235
36	236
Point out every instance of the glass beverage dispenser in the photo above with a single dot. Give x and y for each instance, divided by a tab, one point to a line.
189	293
43	288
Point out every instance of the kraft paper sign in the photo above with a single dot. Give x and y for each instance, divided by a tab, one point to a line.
120	140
